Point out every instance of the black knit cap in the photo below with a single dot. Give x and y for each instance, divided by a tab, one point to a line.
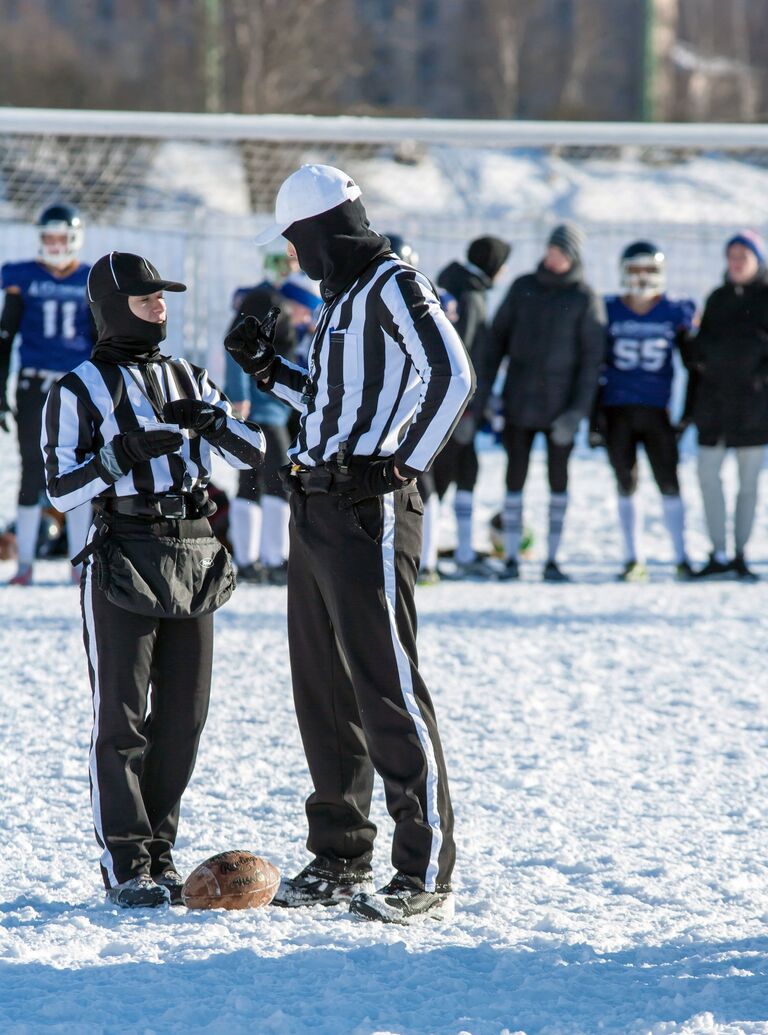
126	274
489	254
569	238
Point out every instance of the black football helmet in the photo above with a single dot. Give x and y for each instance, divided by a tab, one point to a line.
59	219
402	249
643	270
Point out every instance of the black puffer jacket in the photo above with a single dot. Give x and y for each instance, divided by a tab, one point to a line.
728	365
469	288
552	329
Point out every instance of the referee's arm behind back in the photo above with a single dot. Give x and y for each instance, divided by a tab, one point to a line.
439	357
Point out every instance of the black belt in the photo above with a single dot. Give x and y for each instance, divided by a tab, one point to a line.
179	507
322	479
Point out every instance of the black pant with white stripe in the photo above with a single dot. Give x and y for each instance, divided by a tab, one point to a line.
360	700
141	764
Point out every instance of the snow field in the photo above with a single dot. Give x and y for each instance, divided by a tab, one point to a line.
608	752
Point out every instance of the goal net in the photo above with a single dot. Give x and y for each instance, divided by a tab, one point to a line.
192	191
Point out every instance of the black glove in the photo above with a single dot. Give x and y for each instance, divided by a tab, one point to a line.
680	428
376	479
136	447
204	418
250	344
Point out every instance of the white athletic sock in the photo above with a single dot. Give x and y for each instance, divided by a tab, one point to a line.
78	525
558	504
628	518
431	533
512	524
462	506
27	529
244	529
275	514
674	519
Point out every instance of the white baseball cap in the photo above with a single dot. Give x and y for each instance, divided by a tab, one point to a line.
312	189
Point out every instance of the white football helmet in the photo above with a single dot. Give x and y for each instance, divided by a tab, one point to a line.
643	270
60	220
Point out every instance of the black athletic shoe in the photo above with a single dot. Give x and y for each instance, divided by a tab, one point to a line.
173	882
323	883
552	573
741	571
252	573
511	570
276	574
138	891
715	569
403	902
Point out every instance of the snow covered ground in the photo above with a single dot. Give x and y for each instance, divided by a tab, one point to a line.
608	747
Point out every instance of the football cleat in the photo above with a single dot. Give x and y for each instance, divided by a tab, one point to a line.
23	576
633	571
552	573
715	569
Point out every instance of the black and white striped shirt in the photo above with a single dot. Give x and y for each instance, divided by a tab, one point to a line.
388	374
96	401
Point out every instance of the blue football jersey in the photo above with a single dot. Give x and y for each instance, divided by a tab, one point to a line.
638	364
56	327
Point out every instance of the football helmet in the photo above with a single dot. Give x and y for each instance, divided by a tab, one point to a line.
59	219
643	270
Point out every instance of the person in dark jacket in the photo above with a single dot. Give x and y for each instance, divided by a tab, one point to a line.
469	282
551	329
728	396
258	516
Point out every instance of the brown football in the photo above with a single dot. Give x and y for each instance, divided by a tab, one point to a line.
231	880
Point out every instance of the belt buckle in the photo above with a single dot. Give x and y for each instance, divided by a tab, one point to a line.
176	511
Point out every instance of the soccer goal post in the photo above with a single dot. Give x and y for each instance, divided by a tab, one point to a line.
191	191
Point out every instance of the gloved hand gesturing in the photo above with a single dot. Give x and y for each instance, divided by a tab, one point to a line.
376	479
250	344
204	418
136	447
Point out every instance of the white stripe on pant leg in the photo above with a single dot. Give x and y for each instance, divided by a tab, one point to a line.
406	688
93	656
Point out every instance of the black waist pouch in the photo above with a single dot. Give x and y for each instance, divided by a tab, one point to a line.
163	576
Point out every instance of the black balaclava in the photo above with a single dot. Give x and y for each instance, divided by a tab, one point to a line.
336	246
124	337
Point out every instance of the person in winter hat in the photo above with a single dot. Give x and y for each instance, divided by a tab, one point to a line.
469	282
551	328
728	396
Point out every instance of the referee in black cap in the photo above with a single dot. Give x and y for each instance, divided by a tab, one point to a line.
133	431
388	378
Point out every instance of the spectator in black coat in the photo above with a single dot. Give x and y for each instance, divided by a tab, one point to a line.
551	329
728	396
469	282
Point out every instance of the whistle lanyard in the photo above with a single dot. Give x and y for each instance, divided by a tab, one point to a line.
153	404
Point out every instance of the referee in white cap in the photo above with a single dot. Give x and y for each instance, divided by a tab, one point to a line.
388	378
